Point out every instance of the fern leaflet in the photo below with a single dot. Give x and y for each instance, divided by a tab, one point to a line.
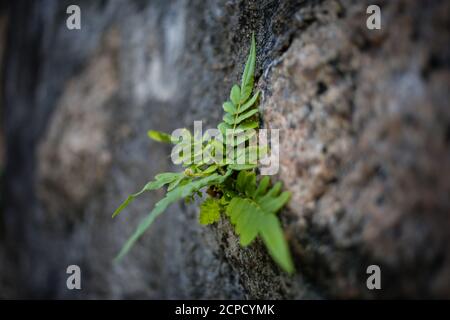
253	212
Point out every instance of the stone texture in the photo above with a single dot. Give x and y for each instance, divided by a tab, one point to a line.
74	158
364	132
365	141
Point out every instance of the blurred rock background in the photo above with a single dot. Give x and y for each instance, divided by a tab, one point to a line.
365	132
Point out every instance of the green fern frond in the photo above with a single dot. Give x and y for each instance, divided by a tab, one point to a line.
253	213
160	180
180	192
209	211
249	70
238	108
251	206
159	136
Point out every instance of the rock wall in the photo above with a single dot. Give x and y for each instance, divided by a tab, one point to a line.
364	126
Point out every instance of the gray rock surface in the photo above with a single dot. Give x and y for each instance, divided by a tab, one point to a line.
364	126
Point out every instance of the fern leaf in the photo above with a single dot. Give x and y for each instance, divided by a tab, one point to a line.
229	118
172	196
250	155
248	125
210	169
241	136
273	200
246	183
249	103
159	136
244	116
253	213
262	187
175	182
237	116
229	107
244	214
238	111
223	127
273	237
247	76
239	167
160	180
250	220
251	206
235	95
209	211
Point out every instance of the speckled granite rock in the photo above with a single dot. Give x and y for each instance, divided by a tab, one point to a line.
366	150
364	130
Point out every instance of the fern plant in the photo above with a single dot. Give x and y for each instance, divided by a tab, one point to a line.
231	185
